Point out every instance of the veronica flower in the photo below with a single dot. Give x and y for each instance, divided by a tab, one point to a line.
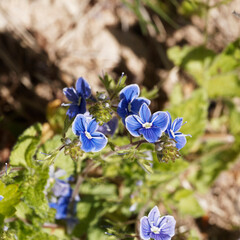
1	197
156	227
150	126
77	97
110	127
92	141
63	191
130	102
172	131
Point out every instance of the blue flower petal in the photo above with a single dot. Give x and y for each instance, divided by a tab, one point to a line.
92	126
133	124
177	123
170	121
71	94
110	127
61	188
160	236
154	215
99	141
79	125
62	208
145	113
82	106
145	228
167	225
87	144
151	134
181	140
122	109
160	119
130	92
73	111
1	197
137	103
83	88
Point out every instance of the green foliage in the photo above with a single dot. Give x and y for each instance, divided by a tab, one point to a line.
11	198
218	74
26	146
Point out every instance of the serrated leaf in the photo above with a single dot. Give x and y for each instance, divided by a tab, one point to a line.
11	199
26	146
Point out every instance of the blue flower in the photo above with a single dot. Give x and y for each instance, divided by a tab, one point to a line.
130	103
1	197
156	227
91	140
63	191
150	126
172	131
77	97
110	127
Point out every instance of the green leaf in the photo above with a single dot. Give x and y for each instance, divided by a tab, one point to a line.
187	203
11	199
218	74
26	146
61	160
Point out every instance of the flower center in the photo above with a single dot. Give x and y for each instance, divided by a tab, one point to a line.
155	230
129	107
88	135
79	101
171	131
147	125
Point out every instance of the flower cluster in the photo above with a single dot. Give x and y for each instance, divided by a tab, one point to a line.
137	117
156	227
134	112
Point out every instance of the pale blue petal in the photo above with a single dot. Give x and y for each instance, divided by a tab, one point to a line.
154	215
99	141
71	94
145	228
1	197
79	125
130	92
133	124
181	140
83	88
87	144
162	237
122	109
167	225
151	134
160	119
137	103
92	126
73	111
169	121
145	113
177	123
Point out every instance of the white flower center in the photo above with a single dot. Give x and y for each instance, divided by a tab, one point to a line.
172	133
147	125
129	107
155	230
88	135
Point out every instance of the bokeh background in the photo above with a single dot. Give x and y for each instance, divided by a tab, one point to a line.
177	47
